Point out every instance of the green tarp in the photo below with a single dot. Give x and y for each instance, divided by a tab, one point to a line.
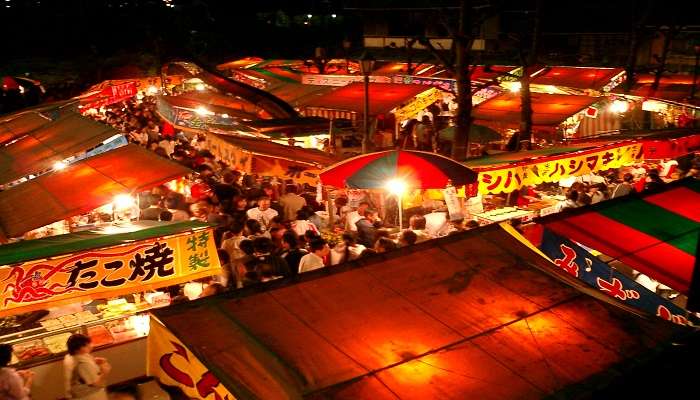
73	242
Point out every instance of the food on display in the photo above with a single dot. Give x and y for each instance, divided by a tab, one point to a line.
69	320
99	335
116	307
31	349
51	324
85	316
57	343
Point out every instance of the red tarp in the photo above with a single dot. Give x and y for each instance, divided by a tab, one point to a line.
16	125
264	147
470	316
548	110
383	97
40	148
672	147
577	77
107	93
82	187
655	234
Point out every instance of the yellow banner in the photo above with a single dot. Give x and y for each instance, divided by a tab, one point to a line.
421	101
510	178
108	272
283	169
174	365
234	156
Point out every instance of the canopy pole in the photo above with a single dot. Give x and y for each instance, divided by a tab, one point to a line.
399	198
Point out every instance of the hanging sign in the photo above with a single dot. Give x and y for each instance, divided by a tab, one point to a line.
418	104
581	264
108	272
508	178
340	80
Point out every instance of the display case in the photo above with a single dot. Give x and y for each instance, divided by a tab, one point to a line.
39	337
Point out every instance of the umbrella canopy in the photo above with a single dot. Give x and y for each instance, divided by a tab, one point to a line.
418	169
477	134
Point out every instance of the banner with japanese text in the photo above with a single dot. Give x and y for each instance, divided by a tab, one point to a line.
418	104
513	177
285	170
174	365
578	262
108	272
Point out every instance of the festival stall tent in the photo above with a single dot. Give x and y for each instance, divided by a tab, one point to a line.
108	92
656	234
590	79
68	135
549	111
659	144
676	88
13	126
545	169
347	101
100	283
82	187
474	315
273	106
266	158
509	171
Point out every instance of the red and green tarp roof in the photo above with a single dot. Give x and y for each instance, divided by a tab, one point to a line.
656	234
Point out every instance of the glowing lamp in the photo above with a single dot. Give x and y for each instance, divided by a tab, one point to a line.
59	165
152	90
199	86
201	110
396	186
123	202
619	106
515	87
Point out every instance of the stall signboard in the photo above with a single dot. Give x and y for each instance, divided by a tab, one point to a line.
190	119
173	364
340	80
578	262
512	177
232	155
286	170
448	85
249	80
418	104
452	202
108	272
109	92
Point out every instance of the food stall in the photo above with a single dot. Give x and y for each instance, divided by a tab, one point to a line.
544	168
641	250
100	283
389	104
65	138
81	187
266	158
475	315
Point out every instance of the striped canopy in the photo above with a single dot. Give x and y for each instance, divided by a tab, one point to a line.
656	234
418	169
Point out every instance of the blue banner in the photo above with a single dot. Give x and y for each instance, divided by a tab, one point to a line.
578	262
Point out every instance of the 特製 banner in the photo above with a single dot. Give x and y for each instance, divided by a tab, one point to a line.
108	272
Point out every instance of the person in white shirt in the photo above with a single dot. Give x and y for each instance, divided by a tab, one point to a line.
314	260
87	375
354	216
262	213
347	250
14	385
